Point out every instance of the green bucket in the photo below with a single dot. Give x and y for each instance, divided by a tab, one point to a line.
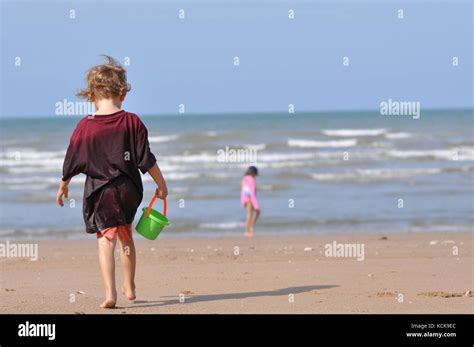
152	222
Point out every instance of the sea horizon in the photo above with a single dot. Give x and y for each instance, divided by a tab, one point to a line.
232	113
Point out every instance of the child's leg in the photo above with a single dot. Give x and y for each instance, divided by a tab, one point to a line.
128	260
249	225
255	217
107	268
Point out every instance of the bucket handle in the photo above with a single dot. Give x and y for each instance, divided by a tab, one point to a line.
147	212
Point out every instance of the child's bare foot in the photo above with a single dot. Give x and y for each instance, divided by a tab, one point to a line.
249	232
129	292
109	303
110	300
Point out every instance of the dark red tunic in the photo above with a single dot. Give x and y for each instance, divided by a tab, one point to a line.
109	149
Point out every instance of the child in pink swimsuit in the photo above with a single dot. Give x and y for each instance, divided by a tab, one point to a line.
248	199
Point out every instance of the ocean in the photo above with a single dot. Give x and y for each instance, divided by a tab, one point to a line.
320	173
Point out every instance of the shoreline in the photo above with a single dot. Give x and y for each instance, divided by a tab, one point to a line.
171	235
399	273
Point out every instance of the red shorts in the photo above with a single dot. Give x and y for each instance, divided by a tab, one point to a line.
124	232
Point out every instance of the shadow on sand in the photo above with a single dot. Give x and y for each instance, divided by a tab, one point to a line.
228	296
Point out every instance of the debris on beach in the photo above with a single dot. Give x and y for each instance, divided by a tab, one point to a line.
446	294
445	242
384	238
386	294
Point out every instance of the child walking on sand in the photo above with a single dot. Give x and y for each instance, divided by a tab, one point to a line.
110	147
248	199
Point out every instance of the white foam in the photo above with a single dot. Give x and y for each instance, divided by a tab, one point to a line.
219	175
284	164
462	153
32	162
321	144
367	175
212	158
23	170
29	187
222	226
274	157
36	182
165	138
174	176
30	179
354	132
30	153
396	136
26	160
257	147
191	158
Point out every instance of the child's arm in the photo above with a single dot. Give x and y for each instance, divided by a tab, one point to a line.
253	199
74	163
253	194
162	190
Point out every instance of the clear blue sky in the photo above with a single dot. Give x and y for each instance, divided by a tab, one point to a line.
282	61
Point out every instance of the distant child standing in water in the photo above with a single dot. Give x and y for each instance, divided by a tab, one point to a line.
248	199
111	148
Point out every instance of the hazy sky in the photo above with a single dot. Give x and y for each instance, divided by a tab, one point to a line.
191	61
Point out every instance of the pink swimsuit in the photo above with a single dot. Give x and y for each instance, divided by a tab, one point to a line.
248	191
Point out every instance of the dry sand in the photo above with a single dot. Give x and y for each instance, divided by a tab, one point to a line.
271	274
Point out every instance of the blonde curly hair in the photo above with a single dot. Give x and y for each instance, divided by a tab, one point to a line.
105	81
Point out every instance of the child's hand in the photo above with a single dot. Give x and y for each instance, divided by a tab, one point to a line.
161	193
63	190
